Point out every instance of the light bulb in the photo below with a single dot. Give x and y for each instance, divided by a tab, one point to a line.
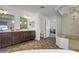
5	12
20	22
13	21
24	22
1	11
29	17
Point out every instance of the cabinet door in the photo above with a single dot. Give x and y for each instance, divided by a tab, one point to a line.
0	39
32	35
21	38
27	35
16	37
74	45
6	39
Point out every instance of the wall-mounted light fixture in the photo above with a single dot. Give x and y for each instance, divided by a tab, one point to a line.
3	11
75	16
27	17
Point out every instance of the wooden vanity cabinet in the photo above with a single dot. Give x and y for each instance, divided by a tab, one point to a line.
11	38
6	39
0	39
17	37
32	35
26	36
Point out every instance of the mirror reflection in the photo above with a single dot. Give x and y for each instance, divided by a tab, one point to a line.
6	22
23	23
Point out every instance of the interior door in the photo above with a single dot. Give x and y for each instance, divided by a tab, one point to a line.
45	27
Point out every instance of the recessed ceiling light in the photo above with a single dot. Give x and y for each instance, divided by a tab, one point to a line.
42	7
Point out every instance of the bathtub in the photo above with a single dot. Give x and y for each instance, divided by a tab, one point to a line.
46	51
62	42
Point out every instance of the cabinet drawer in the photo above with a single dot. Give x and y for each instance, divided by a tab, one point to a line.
0	40
74	44
32	35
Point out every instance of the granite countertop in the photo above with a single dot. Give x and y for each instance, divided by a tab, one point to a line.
74	38
63	36
16	30
70	37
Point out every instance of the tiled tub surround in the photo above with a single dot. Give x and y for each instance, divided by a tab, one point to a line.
74	42
71	42
48	43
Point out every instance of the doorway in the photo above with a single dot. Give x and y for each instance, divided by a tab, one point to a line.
44	27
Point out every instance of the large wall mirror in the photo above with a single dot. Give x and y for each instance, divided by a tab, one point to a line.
6	22
23	23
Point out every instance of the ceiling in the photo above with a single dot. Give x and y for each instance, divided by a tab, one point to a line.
68	9
48	10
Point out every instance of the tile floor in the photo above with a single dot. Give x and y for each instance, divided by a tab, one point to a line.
48	43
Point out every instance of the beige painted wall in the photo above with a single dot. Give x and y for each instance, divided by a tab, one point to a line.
69	26
59	20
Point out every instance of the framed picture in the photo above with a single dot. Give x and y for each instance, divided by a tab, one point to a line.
32	24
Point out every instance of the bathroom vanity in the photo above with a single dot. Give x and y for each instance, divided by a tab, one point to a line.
14	37
11	34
